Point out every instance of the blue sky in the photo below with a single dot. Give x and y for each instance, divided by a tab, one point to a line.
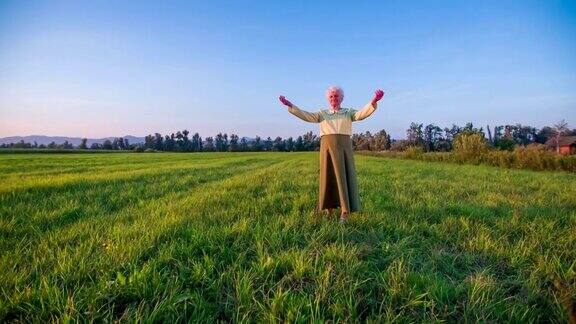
105	68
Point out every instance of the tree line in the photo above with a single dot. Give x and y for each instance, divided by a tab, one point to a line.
181	142
431	138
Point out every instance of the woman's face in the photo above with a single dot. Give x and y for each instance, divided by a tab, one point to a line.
334	99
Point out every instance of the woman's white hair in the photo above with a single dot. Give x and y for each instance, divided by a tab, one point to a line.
335	89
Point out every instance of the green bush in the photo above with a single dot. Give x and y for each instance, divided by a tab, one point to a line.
534	157
401	145
413	152
567	163
470	148
504	159
506	144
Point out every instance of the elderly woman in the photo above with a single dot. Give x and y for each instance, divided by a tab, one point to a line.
338	184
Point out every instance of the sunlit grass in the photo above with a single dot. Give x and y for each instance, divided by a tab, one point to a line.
232	237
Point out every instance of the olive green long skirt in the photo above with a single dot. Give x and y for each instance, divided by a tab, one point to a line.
338	182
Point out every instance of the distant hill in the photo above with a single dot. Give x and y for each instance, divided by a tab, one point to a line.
41	139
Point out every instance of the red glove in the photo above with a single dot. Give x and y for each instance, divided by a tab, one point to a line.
377	96
285	101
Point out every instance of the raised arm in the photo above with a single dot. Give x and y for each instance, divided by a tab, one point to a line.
302	114
369	108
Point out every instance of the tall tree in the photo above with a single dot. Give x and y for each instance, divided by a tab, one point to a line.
268	144
470	129
107	145
119	143
559	129
170	143
432	137
83	145
415	134
244	144
299	145
257	145
209	146
225	143
362	142
278	145
178	141
196	145
520	134
186	145
290	144
310	141
149	142
233	143
219	142
158	142
544	134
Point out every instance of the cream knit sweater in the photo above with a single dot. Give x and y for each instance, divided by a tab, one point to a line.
334	122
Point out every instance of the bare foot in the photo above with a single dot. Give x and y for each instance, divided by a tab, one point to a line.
344	217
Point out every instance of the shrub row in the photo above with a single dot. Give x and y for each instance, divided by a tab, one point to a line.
472	149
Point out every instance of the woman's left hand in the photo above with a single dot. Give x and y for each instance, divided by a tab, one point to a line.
377	96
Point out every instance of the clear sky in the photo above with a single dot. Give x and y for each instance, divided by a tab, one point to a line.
114	68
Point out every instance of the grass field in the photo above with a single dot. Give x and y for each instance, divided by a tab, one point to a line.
231	237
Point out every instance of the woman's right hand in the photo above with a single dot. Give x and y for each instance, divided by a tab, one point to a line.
285	101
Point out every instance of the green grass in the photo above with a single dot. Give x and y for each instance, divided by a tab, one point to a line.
231	237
